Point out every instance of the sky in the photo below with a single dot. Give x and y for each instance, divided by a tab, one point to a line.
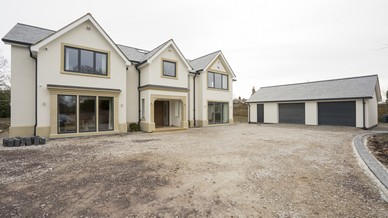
266	43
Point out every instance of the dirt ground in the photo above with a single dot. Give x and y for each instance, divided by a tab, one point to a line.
235	170
378	144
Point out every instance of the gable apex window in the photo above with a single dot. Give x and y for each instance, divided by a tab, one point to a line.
85	61
169	68
217	80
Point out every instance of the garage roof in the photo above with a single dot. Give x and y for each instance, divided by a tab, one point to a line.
345	88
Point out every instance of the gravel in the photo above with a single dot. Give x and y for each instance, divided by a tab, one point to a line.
230	170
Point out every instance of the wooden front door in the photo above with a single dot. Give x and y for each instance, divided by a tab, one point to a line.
161	113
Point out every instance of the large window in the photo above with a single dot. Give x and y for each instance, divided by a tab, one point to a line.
89	111
217	80
105	114
218	112
85	61
67	113
169	68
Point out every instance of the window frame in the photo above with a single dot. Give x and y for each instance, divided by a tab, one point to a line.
95	113
214	81
113	110
222	105
78	71
76	115
176	70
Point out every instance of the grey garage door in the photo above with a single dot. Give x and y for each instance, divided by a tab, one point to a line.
260	113
292	113
337	113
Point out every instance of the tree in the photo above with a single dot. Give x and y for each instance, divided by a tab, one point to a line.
5	76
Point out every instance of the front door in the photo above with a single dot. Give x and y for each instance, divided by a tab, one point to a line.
161	113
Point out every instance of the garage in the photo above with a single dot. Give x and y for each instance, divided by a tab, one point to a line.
337	113
260	113
292	113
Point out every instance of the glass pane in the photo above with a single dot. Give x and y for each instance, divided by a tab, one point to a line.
225	112
71	59
210	113
101	63
67	113
87	114
210	80
217	82
87	61
105	113
224	81
217	112
168	68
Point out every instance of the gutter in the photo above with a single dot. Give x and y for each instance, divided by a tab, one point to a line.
36	90
138	92
194	119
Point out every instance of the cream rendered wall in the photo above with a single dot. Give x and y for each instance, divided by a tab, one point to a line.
271	113
252	112
132	95
155	70
371	105
217	65
23	88
311	113
49	70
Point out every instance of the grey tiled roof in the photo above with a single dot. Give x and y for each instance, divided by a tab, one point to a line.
346	88
133	54
202	62
154	51
27	34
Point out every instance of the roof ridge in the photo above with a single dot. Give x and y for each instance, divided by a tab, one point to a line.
36	27
205	55
133	47
318	81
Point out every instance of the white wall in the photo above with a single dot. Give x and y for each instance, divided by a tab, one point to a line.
252	112
23	87
271	113
311	113
372	114
49	69
359	114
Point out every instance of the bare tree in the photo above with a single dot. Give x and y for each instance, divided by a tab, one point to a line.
5	76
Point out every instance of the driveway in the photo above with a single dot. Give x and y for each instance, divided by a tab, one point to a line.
234	170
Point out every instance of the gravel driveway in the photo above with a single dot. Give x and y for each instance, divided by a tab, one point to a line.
234	170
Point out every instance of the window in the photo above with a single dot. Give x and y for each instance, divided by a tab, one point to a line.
177	108
85	61
218	112
105	113
87	114
169	68
67	113
217	80
88	110
142	108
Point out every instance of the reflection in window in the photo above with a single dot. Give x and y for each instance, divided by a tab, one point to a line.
86	61
87	114
169	68
218	112
105	113
67	113
217	80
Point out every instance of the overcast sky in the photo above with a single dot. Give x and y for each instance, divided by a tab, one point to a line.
266	42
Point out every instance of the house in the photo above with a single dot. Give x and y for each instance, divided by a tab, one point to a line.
77	81
343	102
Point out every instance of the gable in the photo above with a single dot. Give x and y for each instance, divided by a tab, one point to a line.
217	65
88	23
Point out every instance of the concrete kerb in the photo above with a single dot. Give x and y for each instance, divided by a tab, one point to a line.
371	166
